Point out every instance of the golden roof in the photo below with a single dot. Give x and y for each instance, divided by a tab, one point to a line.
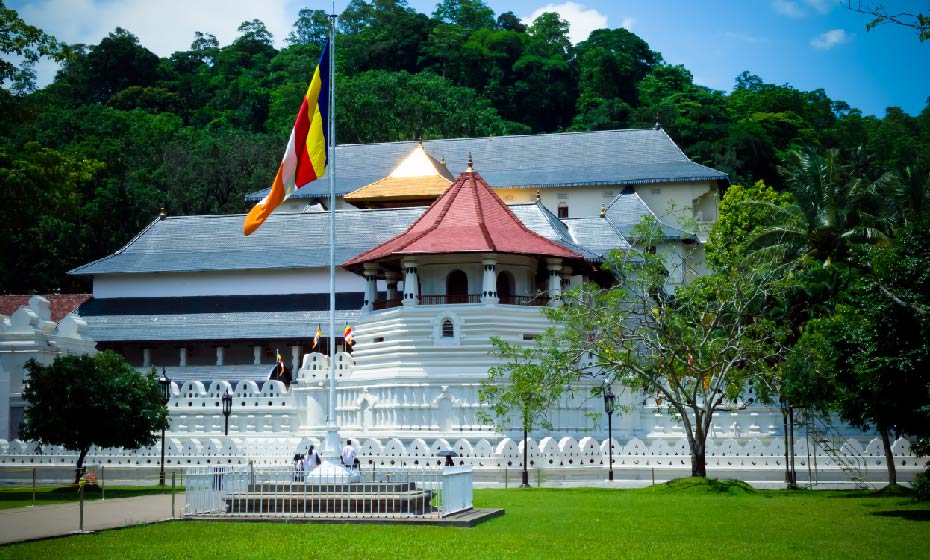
418	177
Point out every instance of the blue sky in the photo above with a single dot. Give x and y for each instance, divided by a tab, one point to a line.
808	44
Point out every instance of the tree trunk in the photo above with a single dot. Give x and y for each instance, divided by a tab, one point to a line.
889	457
699	452
79	468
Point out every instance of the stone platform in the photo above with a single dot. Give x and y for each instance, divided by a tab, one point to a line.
375	498
466	518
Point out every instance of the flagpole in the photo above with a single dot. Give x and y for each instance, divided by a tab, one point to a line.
332	430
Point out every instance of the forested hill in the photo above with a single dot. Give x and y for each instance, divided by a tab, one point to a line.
89	160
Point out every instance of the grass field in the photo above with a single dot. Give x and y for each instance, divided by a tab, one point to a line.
685	519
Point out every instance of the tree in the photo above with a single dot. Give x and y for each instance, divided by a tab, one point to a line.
469	14
868	360
919	21
743	212
836	203
119	61
31	43
311	28
81	401
695	352
526	385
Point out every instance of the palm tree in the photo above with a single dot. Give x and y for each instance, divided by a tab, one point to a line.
837	203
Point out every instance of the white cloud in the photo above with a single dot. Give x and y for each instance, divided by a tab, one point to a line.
787	8
792	8
829	39
581	21
627	23
822	6
163	27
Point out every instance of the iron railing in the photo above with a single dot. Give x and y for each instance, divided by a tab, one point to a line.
279	491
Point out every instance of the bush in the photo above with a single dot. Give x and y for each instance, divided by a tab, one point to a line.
921	486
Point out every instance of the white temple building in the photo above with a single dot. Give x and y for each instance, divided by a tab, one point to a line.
442	245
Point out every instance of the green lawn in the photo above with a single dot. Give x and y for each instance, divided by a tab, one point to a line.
682	520
21	496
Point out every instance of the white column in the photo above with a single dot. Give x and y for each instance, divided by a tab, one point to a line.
411	283
183	356
295	360
219	355
554	266
371	285
257	355
146	357
489	283
391	279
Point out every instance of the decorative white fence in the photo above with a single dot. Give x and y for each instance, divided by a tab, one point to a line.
327	492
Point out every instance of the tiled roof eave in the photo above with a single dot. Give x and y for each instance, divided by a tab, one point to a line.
651	181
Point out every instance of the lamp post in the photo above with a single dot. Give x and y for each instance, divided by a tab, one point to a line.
165	383
609	400
227	410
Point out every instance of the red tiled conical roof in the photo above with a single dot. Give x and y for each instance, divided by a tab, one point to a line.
468	217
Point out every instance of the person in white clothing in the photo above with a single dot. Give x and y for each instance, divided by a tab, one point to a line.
348	457
311	461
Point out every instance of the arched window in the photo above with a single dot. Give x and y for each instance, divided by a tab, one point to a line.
456	287
505	287
448	329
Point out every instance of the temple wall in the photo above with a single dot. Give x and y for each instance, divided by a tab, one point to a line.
224	283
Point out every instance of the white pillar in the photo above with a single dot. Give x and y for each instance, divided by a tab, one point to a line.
391	279
411	283
146	357
219	355
257	355
295	360
489	282
183	356
554	266
371	285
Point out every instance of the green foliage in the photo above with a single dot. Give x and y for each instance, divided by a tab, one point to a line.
81	401
424	105
526	385
694	349
31	43
921	486
743	212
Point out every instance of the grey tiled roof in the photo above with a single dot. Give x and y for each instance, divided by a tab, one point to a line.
285	240
300	240
608	157
596	234
257	325
215	317
231	373
627	210
539	219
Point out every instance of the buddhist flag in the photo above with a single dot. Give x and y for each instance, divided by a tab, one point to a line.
347	335
316	337
305	158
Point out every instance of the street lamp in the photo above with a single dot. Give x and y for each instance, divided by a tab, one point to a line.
609	400
227	410
165	383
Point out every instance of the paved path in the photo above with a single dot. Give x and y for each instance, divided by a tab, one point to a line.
31	523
